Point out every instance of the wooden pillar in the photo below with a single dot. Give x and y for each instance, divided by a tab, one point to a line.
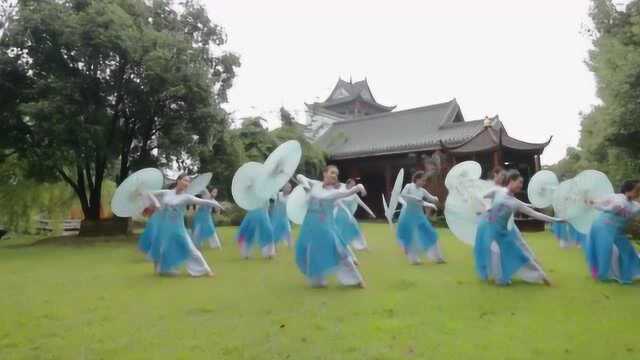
387	179
497	159
536	159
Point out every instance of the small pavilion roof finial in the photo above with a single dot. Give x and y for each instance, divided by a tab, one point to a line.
487	121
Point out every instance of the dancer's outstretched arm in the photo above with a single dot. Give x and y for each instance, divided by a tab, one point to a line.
204	202
430	198
536	215
341	194
408	197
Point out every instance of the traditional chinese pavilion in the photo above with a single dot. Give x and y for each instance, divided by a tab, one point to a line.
371	142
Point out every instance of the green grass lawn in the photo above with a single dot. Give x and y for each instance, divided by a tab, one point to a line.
102	301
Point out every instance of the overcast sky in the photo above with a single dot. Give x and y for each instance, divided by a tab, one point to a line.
522	60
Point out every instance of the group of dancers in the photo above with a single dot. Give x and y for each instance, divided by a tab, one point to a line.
329	233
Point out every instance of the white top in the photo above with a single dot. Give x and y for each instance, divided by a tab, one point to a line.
619	205
317	190
172	199
415	194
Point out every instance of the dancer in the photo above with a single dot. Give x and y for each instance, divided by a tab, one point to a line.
256	228
204	229
500	180
345	221
320	250
172	246
279	218
498	254
415	233
610	254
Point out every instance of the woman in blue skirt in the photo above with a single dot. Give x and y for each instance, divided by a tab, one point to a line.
279	218
415	233
347	223
610	254
256	229
320	249
500	180
204	229
499	256
171	246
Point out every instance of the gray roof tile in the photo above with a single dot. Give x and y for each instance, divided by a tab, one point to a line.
401	131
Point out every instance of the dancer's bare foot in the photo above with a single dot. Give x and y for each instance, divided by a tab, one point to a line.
362	285
546	281
211	274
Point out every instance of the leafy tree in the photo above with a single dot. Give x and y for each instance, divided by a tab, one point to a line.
313	158
91	85
224	157
610	132
286	118
255	138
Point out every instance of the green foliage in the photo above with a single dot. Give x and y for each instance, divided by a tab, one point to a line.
232	215
224	157
255	138
313	158
610	132
286	119
24	199
89	85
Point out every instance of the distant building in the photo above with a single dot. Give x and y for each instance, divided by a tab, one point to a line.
372	142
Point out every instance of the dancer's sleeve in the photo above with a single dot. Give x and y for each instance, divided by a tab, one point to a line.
429	205
305	181
408	197
605	203
365	207
523	208
205	202
160	192
341	194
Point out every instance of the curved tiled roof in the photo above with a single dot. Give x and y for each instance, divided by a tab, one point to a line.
359	90
401	131
439	126
494	137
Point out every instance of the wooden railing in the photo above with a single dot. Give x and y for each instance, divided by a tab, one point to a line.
69	227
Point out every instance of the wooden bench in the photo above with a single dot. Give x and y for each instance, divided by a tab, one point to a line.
69	227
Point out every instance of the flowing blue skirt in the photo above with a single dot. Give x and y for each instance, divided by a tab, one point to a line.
150	232
281	224
203	226
254	229
415	233
482	249
603	236
512	255
567	233
576	236
560	230
319	249
172	245
347	225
